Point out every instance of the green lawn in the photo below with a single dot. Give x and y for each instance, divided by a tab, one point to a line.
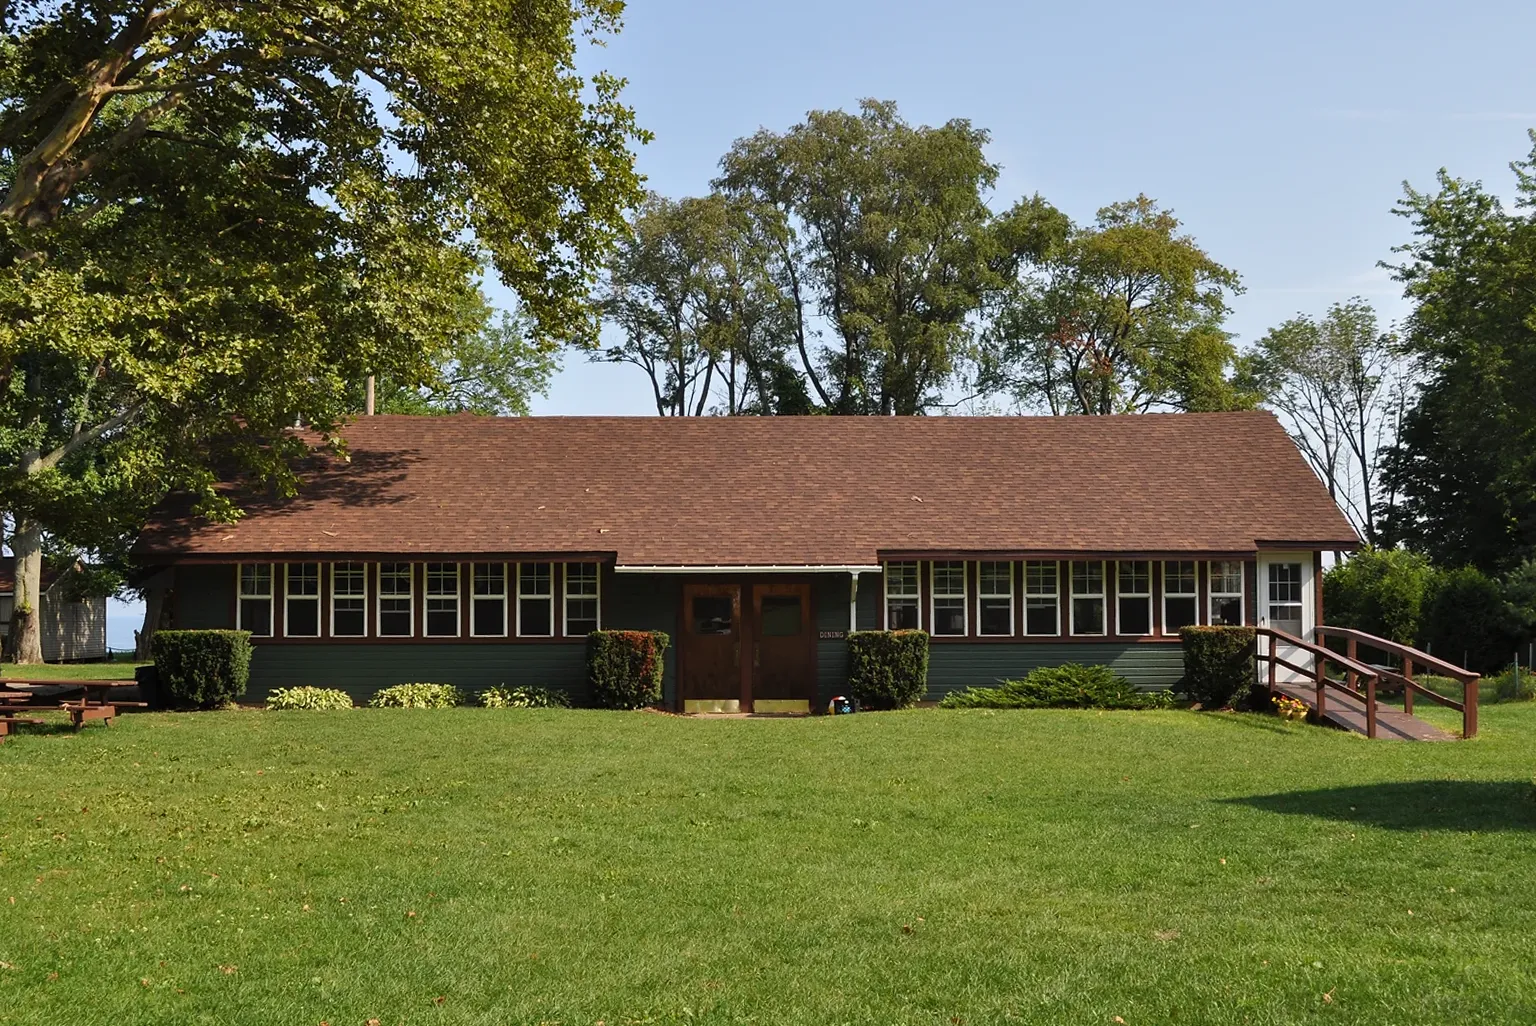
70	671
490	867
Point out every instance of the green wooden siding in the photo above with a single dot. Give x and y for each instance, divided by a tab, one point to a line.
361	669
204	598
953	666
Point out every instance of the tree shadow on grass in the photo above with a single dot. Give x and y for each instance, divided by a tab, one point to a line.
1456	805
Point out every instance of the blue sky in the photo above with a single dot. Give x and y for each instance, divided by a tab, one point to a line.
1280	133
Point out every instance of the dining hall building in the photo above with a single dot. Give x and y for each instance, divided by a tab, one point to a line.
481	551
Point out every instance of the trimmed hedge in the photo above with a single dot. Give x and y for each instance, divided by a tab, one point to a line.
888	669
309	698
202	669
417	696
1068	686
525	697
624	668
1218	664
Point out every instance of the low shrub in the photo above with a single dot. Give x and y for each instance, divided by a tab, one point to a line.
309	698
202	669
524	697
417	696
888	669
1514	684
1068	686
1218	664
624	668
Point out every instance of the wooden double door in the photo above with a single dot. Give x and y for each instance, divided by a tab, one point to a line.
746	641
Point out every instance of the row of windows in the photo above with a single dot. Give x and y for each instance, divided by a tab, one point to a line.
504	598
1082	588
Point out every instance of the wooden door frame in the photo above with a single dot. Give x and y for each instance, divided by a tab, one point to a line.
804	588
715	586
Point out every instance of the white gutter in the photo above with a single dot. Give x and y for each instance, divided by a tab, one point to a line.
770	568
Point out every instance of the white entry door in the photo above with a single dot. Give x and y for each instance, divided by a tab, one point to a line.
1286	604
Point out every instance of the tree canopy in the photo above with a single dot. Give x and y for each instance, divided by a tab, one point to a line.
218	217
1464	464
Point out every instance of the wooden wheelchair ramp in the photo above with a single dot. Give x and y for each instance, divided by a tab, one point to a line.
1350	701
1347	711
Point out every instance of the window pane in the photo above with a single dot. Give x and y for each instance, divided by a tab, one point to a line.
1040	616
1088	616
996	616
901	615
1040	578
1178	612
490	579
581	579
901	579
490	616
1285	582
349	580
1227	577
348	618
781	616
1135	577
1135	616
949	579
256	617
442	618
304	579
303	618
1226	612
996	578
535	578
1179	577
1088	578
949	617
713	614
536	618
255	578
580	617
395	579
395	618
442	579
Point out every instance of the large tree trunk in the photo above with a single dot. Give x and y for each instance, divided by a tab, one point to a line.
156	591
26	634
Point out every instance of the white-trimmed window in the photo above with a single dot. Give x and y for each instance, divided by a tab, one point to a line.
948	613
396	615
903	597
253	609
301	600
1133	597
488	600
1042	598
1226	577
1181	595
349	600
994	598
535	600
442	595
1088	597
581	599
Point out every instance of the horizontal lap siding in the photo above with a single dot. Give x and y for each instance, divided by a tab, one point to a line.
204	598
361	669
954	666
646	602
830	597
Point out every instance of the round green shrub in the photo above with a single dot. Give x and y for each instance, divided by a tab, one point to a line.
309	698
417	696
1218	664
524	697
624	668
202	669
888	669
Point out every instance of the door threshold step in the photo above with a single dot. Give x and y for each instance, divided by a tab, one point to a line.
712	705
760	707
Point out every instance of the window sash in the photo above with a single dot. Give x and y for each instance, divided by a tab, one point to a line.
1179	574
1227	585
994	592
952	575
349	595
1133	590
392	602
292	601
254	589
488	590
1042	591
903	594
583	593
441	591
536	576
1088	595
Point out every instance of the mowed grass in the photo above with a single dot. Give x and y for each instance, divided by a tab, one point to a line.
478	866
70	671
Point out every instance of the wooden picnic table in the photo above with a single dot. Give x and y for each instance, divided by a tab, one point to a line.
95	703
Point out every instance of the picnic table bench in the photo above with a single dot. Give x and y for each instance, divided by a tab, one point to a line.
96	701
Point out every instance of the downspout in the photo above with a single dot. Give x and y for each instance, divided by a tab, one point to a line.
853	602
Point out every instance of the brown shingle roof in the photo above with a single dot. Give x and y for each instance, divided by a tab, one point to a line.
789	490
